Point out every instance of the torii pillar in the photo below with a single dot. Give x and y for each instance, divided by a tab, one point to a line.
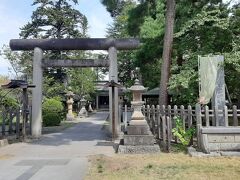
36	125
113	76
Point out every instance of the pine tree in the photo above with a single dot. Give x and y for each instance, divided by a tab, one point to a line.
55	19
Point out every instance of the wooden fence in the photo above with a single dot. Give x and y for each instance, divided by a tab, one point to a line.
161	119
12	123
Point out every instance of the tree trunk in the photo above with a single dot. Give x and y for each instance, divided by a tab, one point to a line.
167	50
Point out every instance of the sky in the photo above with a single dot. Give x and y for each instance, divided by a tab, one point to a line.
16	13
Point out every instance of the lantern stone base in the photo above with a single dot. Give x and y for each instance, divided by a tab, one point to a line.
70	117
136	140
83	112
138	129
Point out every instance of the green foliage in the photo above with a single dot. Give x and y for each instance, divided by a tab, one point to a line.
52	105
8	98
114	7
8	101
183	135
55	19
52	112
52	88
153	26
21	62
82	81
51	119
183	86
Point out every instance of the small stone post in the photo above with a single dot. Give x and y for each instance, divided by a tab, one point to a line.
36	126
70	101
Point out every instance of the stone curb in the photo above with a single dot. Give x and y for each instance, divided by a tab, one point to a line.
194	153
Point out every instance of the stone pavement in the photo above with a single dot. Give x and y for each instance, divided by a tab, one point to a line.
60	156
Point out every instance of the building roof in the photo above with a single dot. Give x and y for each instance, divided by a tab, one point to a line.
17	84
152	92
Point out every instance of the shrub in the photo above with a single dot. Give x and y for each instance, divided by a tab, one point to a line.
52	105
52	112
183	135
51	119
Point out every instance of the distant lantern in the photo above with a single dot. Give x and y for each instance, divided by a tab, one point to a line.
70	102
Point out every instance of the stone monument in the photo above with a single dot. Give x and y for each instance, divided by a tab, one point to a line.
138	138
83	112
70	101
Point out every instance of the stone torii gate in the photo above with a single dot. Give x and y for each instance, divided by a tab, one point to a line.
38	45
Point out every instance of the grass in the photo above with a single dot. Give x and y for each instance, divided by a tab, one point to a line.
162	166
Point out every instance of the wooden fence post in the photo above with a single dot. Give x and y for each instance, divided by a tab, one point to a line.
175	112
4	116
164	131
170	118
153	119
182	116
206	111
225	115
148	114
199	123
235	119
125	117
169	132
215	119
10	122
189	116
18	123
158	123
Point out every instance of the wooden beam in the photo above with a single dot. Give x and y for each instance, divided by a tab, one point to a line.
74	44
75	63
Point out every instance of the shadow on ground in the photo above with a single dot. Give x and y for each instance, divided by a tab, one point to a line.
83	131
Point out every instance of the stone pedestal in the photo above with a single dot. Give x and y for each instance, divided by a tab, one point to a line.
139	138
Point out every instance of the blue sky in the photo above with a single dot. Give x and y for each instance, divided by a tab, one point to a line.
16	13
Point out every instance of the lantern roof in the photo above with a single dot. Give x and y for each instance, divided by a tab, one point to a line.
138	87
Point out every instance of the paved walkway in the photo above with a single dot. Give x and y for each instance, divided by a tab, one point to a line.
60	156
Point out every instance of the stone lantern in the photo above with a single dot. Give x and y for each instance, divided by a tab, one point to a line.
138	138
70	101
83	112
137	117
90	109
